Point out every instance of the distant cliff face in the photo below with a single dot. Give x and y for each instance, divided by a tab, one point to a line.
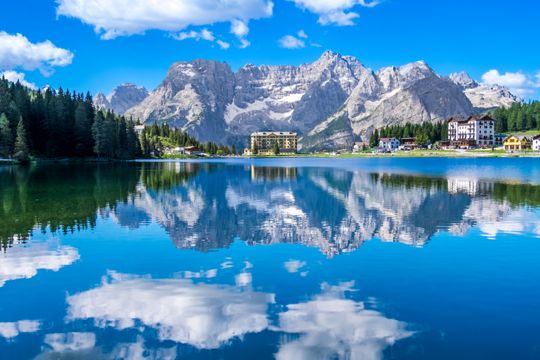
330	102
121	99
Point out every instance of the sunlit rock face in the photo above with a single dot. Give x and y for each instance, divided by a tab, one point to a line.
24	261
202	315
330	326
121	99
329	102
484	96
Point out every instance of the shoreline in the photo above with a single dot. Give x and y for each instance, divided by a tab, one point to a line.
470	154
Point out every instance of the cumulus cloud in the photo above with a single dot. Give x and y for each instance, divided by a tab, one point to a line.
17	52
518	82
291	42
10	330
74	341
302	34
239	28
25	262
114	18
336	12
223	44
203	34
15	76
202	315
333	327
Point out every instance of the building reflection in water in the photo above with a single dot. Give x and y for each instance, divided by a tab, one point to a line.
205	206
266	173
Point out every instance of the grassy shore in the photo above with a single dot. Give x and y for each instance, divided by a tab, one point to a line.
414	153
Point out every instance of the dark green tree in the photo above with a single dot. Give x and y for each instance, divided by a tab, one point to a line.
374	140
6	137
275	148
21	152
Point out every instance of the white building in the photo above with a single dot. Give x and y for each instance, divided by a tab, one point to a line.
474	131
389	144
536	143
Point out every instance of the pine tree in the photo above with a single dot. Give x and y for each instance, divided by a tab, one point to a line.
6	137
21	144
276	148
98	135
374	140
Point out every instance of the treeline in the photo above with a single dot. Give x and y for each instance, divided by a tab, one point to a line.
423	134
518	117
156	138
62	124
58	124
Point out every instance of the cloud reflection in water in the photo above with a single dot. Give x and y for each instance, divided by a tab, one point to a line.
202	315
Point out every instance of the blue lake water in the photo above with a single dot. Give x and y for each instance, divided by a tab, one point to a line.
262	259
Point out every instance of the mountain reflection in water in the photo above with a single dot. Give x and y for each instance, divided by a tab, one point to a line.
208	206
261	259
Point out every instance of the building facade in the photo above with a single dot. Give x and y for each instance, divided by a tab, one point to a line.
388	144
536	143
264	142
517	142
474	131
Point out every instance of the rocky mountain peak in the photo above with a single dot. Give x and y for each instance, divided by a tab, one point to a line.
122	98
463	79
330	102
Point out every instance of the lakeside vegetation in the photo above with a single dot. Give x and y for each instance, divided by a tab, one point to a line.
517	118
423	134
62	124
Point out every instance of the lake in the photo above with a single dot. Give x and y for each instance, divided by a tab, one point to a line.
271	258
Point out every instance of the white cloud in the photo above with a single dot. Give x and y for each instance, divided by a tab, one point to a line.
15	76
239	28
114	18
291	42
25	262
74	341
302	34
339	18
202	315
244	43
10	330
223	44
335	12
16	51
293	266
204	34
519	83
333	327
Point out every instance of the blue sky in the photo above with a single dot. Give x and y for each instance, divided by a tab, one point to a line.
78	45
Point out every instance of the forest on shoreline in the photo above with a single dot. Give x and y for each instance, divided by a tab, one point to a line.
55	124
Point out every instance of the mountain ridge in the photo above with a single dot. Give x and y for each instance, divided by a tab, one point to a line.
330	102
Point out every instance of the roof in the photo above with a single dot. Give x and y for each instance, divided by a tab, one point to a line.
519	137
387	138
266	133
471	118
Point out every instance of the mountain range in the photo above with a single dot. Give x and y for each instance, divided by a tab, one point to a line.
331	102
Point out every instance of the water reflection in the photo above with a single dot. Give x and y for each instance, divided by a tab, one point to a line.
23	262
204	316
207	206
330	326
